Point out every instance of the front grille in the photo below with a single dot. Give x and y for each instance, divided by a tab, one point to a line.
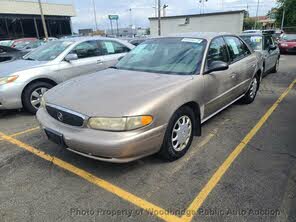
65	116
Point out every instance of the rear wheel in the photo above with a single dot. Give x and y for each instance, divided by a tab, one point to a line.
179	134
32	95
250	95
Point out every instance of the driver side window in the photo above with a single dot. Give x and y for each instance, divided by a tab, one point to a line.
86	49
217	51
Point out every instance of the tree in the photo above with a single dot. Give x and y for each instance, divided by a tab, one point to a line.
249	23
290	16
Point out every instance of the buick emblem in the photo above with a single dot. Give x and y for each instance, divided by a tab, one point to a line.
60	116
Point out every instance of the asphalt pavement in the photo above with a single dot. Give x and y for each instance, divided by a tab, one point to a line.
225	176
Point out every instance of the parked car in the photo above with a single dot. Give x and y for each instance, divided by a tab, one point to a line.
16	42
5	43
287	43
264	43
29	45
23	82
9	54
154	100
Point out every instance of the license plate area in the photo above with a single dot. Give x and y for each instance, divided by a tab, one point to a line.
55	137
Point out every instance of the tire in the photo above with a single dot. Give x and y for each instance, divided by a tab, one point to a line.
250	95
276	66
40	88
169	150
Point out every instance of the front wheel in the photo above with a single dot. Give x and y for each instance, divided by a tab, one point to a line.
179	134
250	95
32	95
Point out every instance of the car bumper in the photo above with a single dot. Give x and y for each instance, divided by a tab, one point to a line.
11	96
118	147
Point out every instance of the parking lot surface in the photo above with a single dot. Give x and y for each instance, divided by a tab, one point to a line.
242	168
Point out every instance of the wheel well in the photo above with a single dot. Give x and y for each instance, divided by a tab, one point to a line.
196	109
39	80
259	76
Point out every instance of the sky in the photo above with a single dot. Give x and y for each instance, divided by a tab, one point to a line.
141	10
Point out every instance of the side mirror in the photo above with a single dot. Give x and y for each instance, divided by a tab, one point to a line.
216	66
272	47
71	56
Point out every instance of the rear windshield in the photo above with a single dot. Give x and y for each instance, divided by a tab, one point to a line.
255	41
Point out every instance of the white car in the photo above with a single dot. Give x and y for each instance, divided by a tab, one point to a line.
23	82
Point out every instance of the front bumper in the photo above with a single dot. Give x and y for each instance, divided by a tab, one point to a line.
107	146
11	96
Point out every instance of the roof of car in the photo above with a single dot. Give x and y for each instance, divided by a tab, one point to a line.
86	38
203	35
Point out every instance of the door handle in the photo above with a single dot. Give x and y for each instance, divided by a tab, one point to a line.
100	62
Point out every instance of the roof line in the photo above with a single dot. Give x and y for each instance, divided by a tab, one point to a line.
199	15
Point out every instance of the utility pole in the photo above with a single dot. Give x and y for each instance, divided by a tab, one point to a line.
164	9
155	8
95	15
159	11
257	14
283	18
43	20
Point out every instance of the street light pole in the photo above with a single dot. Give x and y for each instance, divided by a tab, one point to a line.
257	14
95	15
43	20
159	11
283	19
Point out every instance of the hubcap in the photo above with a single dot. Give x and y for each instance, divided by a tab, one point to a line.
181	133
36	96
253	88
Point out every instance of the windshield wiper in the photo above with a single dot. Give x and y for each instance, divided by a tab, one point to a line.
113	67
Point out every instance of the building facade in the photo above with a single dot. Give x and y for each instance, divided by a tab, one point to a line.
20	19
231	21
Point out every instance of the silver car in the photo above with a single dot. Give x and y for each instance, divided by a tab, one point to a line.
265	44
24	81
154	100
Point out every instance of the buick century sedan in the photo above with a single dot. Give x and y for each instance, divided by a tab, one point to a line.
154	100
23	82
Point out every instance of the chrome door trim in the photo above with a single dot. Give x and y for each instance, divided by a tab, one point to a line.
224	107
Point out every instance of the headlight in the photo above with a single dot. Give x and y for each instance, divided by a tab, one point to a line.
7	79
284	44
119	124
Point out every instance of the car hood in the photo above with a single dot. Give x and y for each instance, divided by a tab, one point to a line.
113	93
8	68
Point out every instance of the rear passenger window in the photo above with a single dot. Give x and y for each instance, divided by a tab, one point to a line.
237	49
112	47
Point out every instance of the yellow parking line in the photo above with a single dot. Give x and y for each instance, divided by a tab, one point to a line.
152	208
201	197
23	132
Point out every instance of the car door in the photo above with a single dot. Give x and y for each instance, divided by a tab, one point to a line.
271	55
218	84
89	60
243	64
112	51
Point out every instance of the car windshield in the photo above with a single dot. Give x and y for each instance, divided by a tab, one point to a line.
255	41
166	55
48	51
289	37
